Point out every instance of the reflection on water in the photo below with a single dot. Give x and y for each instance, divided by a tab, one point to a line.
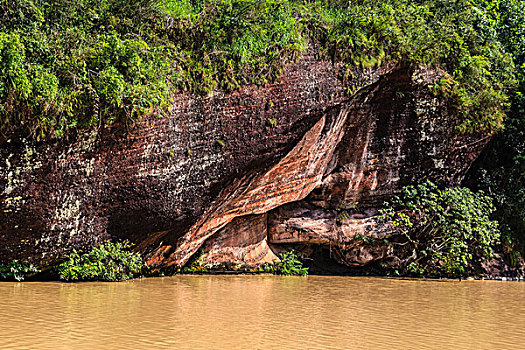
263	312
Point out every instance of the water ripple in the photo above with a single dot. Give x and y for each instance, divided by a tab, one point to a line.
263	312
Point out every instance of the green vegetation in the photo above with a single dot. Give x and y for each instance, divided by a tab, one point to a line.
449	230
195	265
452	229
17	270
107	262
289	265
89	63
500	170
362	238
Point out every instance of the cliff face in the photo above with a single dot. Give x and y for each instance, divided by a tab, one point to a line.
239	176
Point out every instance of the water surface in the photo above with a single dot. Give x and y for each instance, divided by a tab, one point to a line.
263	312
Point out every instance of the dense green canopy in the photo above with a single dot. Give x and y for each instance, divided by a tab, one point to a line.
500	170
66	64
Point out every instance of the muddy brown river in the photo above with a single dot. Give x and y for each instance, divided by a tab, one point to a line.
263	312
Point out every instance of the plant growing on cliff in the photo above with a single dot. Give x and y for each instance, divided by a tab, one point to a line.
195	265
85	63
107	262
289	265
17	270
500	170
449	229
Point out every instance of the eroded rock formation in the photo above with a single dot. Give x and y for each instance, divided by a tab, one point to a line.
237	175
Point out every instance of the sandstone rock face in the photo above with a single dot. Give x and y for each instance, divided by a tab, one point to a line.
395	133
237	176
242	242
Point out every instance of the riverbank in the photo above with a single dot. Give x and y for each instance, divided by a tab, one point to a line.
112	262
49	276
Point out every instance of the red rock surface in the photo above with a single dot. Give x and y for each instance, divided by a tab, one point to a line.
395	133
243	241
236	175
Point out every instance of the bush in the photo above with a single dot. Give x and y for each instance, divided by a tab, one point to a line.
195	264
84	63
450	229
107	262
289	265
17	270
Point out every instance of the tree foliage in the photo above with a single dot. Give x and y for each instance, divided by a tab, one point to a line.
67	64
500	171
449	229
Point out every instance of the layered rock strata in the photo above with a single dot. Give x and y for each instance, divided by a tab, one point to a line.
396	133
236	175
